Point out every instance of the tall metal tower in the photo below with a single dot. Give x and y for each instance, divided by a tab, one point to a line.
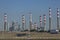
57	19
49	19
5	21
30	21
44	22
23	22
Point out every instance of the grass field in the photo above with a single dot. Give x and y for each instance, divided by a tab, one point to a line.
33	35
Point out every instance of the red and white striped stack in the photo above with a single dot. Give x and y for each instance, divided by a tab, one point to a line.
44	22
44	18
49	12
5	17
57	12
57	19
40	21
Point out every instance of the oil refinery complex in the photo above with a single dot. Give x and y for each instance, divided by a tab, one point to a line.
16	30
32	26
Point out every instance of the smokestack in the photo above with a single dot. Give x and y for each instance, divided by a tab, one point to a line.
49	19
30	21
23	22
44	22
5	21
57	19
41	23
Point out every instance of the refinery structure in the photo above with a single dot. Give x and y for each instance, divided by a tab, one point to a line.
32	26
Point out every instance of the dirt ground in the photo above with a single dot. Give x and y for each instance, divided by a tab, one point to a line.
29	35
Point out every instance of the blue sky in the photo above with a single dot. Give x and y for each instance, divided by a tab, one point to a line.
16	8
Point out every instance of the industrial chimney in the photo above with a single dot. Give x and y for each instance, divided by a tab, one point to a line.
44	22
57	19
41	27
49	19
